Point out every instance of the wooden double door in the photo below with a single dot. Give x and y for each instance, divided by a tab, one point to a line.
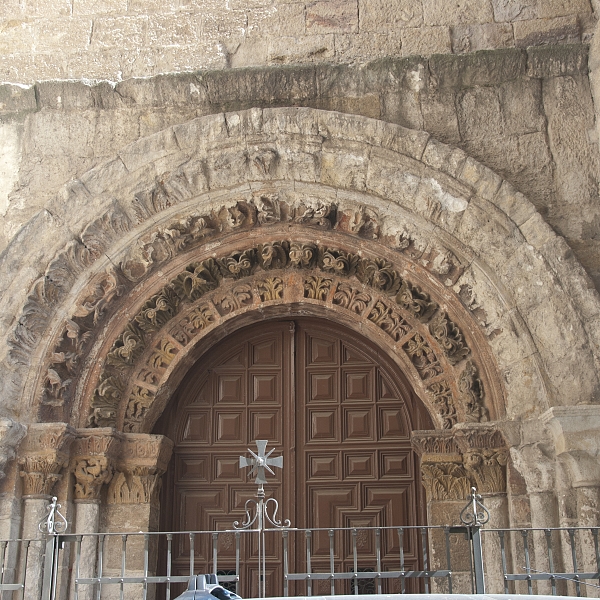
340	414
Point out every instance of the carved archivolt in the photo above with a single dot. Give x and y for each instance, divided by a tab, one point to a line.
104	293
205	292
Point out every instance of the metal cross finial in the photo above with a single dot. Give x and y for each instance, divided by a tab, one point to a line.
261	461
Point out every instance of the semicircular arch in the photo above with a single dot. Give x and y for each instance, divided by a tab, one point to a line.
458	232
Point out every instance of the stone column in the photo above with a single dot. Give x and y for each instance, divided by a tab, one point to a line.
452	462
42	456
577	446
534	462
485	456
133	502
447	487
92	465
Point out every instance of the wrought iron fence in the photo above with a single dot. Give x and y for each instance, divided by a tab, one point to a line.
468	558
125	565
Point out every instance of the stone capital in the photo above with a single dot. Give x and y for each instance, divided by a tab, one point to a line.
574	428
142	461
42	455
434	442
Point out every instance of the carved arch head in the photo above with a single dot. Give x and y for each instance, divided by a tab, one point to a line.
228	213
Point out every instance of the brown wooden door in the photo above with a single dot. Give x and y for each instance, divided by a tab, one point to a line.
341	416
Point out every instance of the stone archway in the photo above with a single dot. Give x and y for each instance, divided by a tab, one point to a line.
388	213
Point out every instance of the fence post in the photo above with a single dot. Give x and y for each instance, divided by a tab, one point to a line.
52	525
473	516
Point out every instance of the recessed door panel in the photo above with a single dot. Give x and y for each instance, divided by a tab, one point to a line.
342	424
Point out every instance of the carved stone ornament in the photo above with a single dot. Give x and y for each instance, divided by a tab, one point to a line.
487	469
208	290
143	460
90	474
454	461
445	480
93	453
42	456
471	388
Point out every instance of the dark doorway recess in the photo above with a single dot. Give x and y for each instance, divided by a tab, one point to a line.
338	410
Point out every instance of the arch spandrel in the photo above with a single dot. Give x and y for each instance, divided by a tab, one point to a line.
447	218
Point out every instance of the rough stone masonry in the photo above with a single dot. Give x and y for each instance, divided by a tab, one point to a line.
438	158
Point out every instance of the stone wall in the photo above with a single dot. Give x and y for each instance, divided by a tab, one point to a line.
526	114
119	39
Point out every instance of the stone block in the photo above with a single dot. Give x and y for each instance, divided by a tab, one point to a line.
181	89
516	206
17	35
393	177
363	47
10	158
309	48
489	36
489	233
51	135
344	164
561	30
569	110
70	33
485	182
425	41
112	63
47	9
99	7
67	95
439	114
548	9
252	87
387	16
192	57
457	11
12	9
524	160
289	20
368	106
514	10
521	107
536	231
440	204
251	52
479	114
557	61
332	16
200	132
479	68
177	29
561	258
148	149
17	99
128	32
445	158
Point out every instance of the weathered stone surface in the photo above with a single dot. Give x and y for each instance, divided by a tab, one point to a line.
471	38
514	10
425	41
459	11
545	61
385	17
337	16
546	31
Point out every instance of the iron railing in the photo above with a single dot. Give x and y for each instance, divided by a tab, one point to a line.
469	558
556	561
